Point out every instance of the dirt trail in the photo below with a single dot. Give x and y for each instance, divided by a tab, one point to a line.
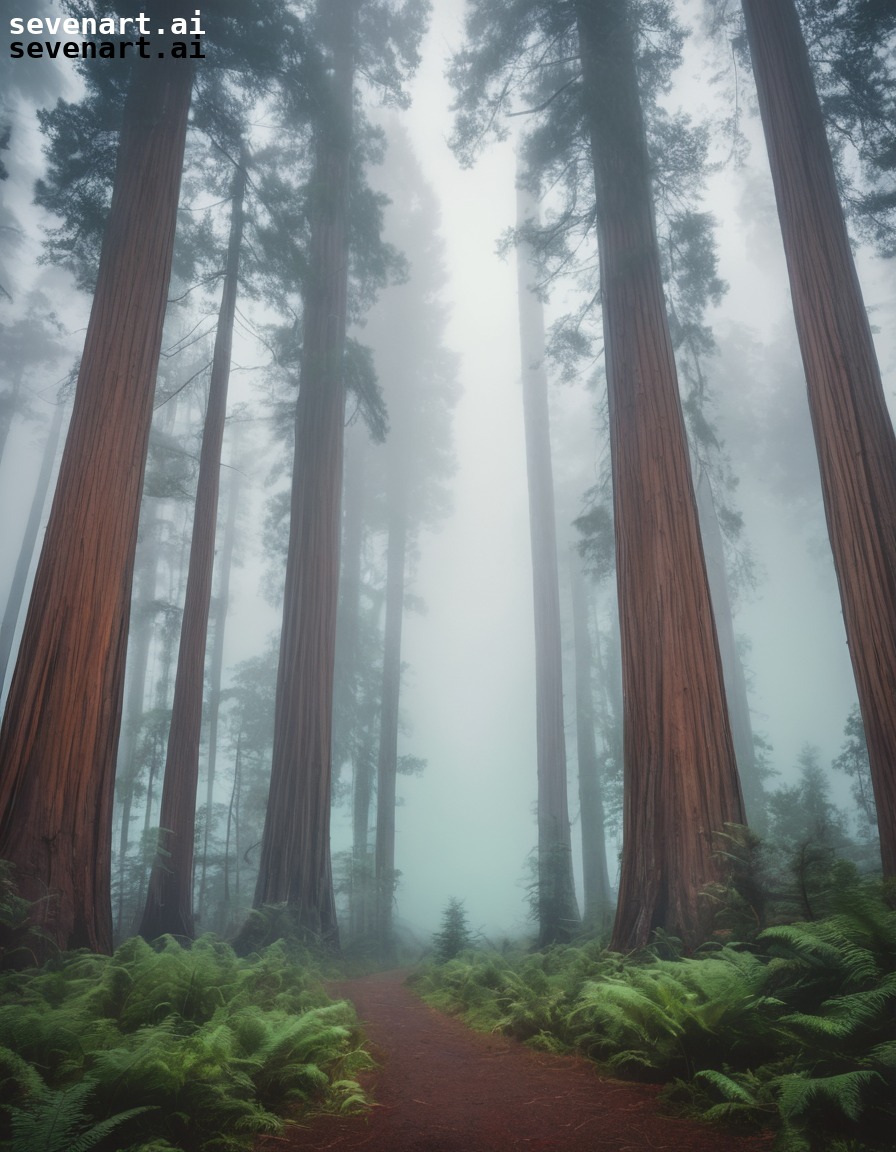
442	1088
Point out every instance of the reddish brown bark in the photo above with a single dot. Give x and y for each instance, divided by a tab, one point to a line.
681	780
295	853
853	432
169	897
60	730
558	914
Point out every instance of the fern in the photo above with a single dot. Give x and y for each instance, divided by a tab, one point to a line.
58	1121
798	1032
846	1093
745	1099
206	1048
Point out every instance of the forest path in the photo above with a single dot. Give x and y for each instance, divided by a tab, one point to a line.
440	1087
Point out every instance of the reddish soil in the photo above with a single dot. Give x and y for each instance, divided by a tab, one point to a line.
441	1088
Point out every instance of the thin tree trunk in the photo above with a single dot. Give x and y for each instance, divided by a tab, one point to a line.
233	805
681	781
216	663
29	540
139	644
346	705
60	729
558	914
853	431
387	763
8	405
596	879
295	862
346	664
169	898
362	866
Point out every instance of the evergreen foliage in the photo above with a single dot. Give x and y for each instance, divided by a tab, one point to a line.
795	1031
454	936
205	1049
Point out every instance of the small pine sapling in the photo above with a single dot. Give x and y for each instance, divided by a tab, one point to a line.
455	934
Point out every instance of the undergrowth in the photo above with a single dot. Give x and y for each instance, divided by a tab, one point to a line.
161	1048
794	1031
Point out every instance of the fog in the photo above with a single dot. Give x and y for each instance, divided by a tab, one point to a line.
466	826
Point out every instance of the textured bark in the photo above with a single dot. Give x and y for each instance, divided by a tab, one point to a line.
853	432
681	780
387	763
216	662
595	877
169	897
295	853
29	541
558	914
60	730
732	668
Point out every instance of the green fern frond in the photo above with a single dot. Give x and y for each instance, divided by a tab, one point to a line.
846	1093
729	1089
58	1121
884	1054
18	1078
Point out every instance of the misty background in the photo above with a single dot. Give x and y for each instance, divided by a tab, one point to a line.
466	825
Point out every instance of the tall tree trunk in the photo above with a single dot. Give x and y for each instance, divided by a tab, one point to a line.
853	431
558	914
387	764
169	897
732	668
295	853
60	729
139	644
29	540
216	663
360	914
233	811
598	901
681	781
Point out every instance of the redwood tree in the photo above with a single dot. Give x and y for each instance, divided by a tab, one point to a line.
853	432
169	899
295	865
575	67
681	780
558	915
60	729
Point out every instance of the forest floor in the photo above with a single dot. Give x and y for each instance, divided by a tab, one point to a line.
440	1087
